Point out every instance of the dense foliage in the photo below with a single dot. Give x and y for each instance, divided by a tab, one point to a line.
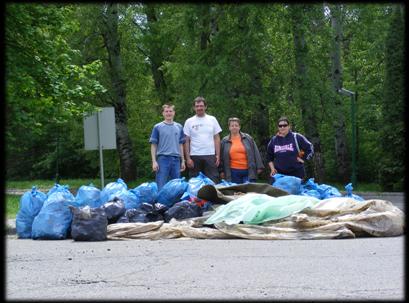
254	61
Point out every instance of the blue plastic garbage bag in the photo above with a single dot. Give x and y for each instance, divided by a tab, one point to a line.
119	189
225	183
172	191
310	188
111	188
53	222
328	191
349	193
88	195
57	187
320	191
30	205
290	184
146	192
129	198
195	183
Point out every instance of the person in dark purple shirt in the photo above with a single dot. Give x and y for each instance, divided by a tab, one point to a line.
285	155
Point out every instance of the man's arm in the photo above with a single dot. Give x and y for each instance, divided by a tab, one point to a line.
155	165
189	160
182	158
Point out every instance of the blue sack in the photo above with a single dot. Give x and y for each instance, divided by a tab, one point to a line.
172	191
290	184
112	188
30	205
119	189
88	195
195	183
328	191
53	222
225	183
320	191
128	197
310	188
57	187
349	194
146	192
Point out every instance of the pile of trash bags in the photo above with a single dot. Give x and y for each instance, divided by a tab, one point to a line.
294	186
59	214
97	215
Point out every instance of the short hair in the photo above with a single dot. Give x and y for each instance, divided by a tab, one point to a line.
233	119
283	119
199	99
167	105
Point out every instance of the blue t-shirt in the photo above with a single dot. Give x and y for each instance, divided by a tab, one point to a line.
167	137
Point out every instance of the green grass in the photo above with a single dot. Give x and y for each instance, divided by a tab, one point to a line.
361	187
45	185
12	205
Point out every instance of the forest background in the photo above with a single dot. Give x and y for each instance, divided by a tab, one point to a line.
257	62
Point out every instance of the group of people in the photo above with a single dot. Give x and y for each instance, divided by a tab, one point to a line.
235	158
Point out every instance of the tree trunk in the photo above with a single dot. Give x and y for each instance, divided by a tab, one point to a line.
156	55
109	31
304	86
341	147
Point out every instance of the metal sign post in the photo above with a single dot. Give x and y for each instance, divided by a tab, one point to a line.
344	91
101	156
99	134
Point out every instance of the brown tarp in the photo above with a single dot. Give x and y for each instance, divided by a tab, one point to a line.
330	218
225	194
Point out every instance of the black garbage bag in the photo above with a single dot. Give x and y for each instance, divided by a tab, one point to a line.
160	208
145	213
183	210
114	209
88	224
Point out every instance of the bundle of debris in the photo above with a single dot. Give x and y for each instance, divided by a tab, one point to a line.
201	209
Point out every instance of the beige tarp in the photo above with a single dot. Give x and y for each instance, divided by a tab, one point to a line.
330	218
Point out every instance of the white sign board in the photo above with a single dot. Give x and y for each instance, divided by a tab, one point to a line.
106	127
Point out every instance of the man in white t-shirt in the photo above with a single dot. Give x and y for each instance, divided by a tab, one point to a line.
202	147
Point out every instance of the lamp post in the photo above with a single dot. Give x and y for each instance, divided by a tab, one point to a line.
351	94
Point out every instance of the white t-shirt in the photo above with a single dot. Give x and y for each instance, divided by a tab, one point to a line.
201	131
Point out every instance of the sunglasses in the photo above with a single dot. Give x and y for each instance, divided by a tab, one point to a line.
282	125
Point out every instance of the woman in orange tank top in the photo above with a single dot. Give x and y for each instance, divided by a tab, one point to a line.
240	159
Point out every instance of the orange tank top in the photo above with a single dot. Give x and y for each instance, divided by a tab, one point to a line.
238	155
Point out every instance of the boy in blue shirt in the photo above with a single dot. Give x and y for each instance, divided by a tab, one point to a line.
167	140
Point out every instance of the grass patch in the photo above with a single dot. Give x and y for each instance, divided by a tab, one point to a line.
360	187
12	205
74	184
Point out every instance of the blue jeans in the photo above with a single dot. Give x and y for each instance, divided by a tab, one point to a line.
169	168
240	176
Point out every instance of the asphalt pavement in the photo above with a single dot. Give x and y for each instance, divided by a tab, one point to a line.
190	269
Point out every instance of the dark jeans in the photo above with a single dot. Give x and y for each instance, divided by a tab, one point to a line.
240	176
206	165
169	168
299	172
